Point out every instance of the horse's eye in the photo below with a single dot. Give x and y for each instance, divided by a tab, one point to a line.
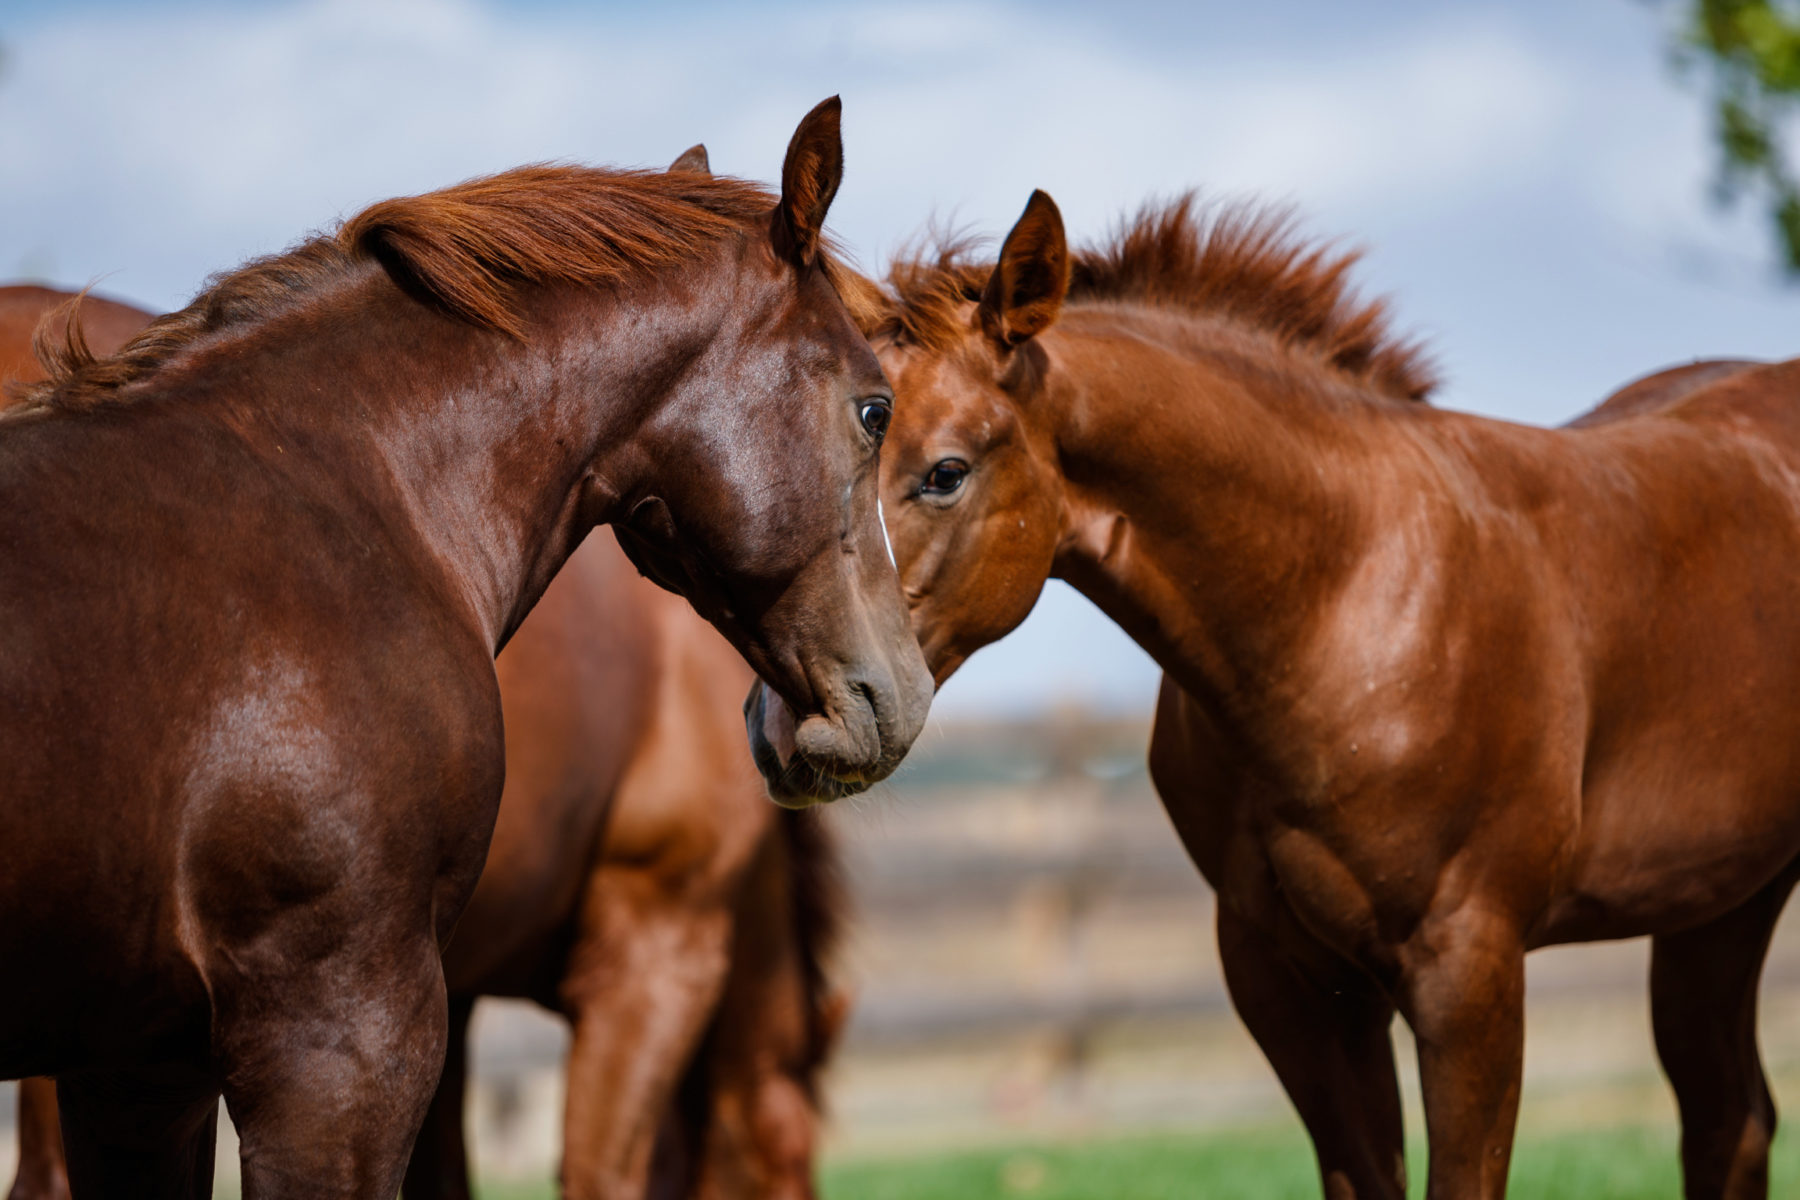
875	416
945	477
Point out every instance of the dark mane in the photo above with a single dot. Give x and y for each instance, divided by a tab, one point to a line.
465	248
1242	262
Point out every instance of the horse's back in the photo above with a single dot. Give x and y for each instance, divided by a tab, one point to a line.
1729	398
106	325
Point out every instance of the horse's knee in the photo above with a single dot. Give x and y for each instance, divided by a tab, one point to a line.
328	1097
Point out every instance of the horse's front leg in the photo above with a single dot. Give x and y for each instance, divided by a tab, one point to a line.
329	1069
1324	1026
139	1134
439	1169
1463	992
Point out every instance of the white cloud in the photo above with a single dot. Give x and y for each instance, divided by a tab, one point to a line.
1525	176
185	139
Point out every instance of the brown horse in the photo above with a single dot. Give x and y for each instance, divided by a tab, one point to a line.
1439	689
634	841
259	564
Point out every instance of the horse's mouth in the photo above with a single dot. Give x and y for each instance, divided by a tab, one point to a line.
795	783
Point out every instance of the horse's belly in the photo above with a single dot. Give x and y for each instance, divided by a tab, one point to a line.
79	993
1661	851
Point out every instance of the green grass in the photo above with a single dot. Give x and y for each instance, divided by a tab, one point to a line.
1603	1164
1627	1163
1260	1164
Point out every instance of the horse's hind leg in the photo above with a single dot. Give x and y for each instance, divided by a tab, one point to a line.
42	1173
439	1169
1703	1006
1324	1026
138	1137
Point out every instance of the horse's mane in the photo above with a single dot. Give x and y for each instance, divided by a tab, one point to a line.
819	902
465	248
1242	262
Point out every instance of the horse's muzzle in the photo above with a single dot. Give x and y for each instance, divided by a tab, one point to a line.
815	760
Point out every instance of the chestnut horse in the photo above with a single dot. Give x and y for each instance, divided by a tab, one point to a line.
258	567
1438	689
634	843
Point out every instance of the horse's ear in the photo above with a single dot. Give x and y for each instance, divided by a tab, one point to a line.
1026	290
809	180
693	159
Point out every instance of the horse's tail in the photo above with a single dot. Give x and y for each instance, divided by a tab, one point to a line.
814	907
820	914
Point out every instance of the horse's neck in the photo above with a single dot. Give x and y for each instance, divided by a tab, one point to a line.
1215	496
487	453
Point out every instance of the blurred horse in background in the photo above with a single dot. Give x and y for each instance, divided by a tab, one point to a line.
639	883
105	325
1438	689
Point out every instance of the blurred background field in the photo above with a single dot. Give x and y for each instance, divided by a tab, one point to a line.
1040	1012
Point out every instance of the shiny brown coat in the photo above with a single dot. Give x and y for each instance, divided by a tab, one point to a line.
258	566
636	866
1439	689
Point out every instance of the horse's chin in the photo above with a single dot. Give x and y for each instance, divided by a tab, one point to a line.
801	786
792	780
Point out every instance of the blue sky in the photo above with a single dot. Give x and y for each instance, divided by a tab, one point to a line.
1529	179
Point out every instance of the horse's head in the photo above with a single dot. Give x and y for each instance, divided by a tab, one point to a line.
970	471
772	529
